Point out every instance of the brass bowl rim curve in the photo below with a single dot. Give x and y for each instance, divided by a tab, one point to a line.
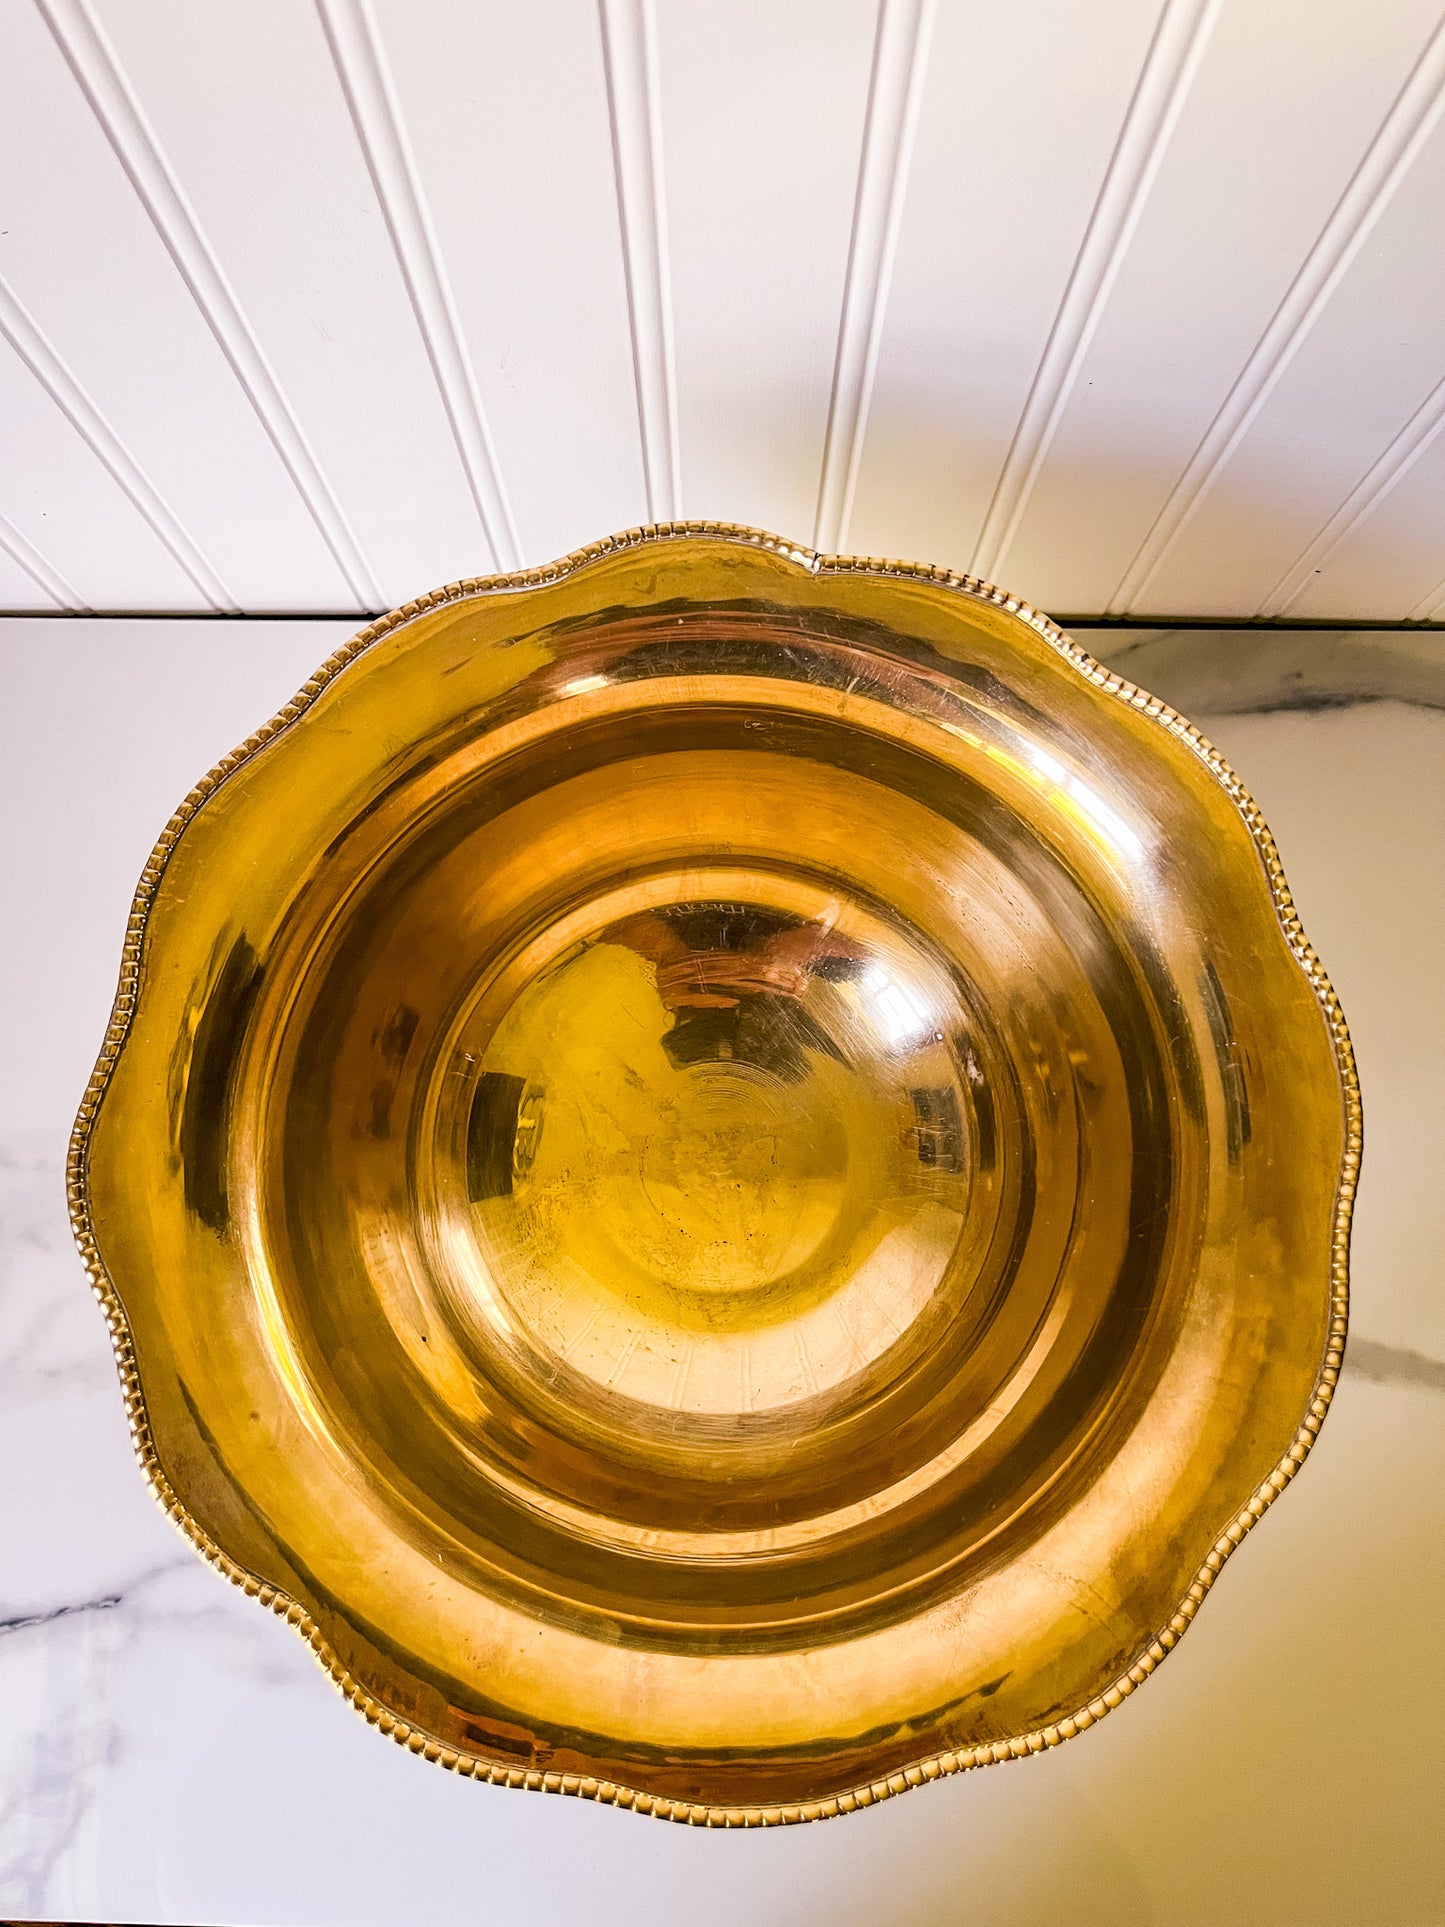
938	1765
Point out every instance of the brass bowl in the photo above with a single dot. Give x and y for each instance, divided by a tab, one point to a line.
725	1173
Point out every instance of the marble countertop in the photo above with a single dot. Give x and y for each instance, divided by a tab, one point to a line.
171	1753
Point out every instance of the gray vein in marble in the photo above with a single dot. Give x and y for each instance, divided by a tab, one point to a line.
1249	671
23	1621
64	1735
50	1338
1393	1365
70	1745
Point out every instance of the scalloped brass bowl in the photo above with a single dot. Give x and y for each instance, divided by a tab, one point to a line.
727	1173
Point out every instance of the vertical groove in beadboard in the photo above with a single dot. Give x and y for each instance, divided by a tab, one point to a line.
1430	608
1386	161
99	75
629	62
1362	501
1180	38
23	552
24	334
895	88
361	67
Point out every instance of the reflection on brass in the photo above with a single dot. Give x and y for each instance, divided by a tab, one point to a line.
725	1173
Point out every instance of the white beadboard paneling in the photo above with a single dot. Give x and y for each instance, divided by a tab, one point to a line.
27	580
17	586
1363	370
990	232
506	108
895	94
762	119
629	61
94	428
361	67
1159	97
1372	492
1431	607
120	113
1288	98
1391	565
71	510
316	304
272	164
87	261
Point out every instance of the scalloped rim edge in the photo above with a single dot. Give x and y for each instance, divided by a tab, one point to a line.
938	1765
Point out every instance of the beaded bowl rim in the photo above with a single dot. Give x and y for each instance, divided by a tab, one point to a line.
938	1765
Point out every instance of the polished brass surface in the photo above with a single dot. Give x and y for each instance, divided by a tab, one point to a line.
726	1172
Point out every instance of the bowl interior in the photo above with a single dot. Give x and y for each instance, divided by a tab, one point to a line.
730	1176
720	1165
